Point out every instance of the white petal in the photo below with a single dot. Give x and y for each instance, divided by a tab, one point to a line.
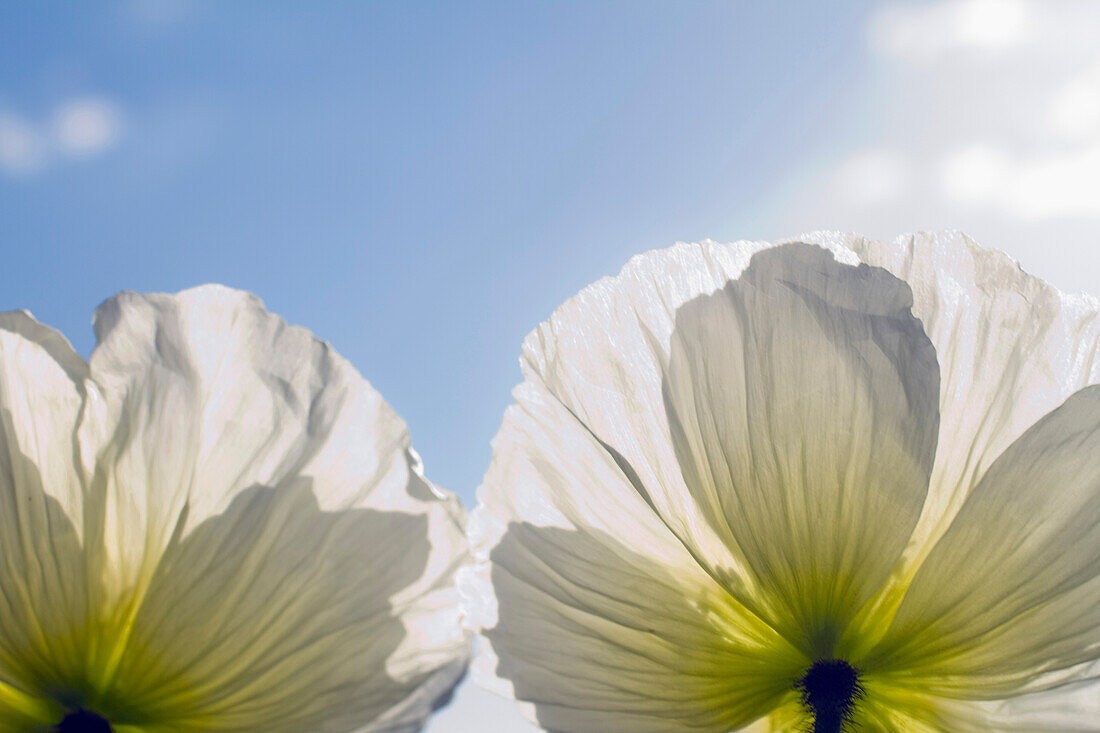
42	388
598	616
1012	589
602	614
802	401
597	637
1069	708
42	575
603	354
265	523
1011	348
277	614
616	586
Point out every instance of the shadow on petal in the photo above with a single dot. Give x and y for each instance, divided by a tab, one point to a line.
275	613
599	637
43	599
802	403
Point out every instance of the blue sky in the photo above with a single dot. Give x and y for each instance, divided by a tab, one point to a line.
422	183
419	185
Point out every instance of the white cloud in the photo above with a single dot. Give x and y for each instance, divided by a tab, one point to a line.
989	23
86	126
977	173
872	177
1075	108
21	148
925	32
79	128
1021	138
993	111
1059	185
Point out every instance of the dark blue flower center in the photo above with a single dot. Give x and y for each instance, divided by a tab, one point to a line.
830	690
83	721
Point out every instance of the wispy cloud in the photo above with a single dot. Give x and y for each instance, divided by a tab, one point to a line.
1074	111
874	177
86	126
980	115
1019	138
80	127
925	32
1043	187
22	150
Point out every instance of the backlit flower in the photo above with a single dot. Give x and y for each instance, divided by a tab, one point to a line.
215	524
746	486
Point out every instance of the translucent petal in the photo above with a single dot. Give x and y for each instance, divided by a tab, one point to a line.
43	600
21	712
208	395
1069	708
1012	589
604	355
275	614
1011	348
802	403
263	548
598	616
600	638
620	595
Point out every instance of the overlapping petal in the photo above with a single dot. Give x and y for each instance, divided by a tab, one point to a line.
802	407
1070	707
1011	348
678	423
693	430
603	356
1012	590
603	615
42	573
261	548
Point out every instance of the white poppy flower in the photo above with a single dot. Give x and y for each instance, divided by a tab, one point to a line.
772	488
215	524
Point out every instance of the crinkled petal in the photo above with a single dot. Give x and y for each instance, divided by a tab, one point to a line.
596	615
604	354
275	614
1011	348
1073	707
802	405
620	590
43	600
1011	591
271	554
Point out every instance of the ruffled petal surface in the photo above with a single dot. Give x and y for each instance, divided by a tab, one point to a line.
1071	707
1011	591
802	402
42	572
601	619
1011	348
626	542
262	550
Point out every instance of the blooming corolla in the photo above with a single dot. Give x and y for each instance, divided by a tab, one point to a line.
214	524
832	484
